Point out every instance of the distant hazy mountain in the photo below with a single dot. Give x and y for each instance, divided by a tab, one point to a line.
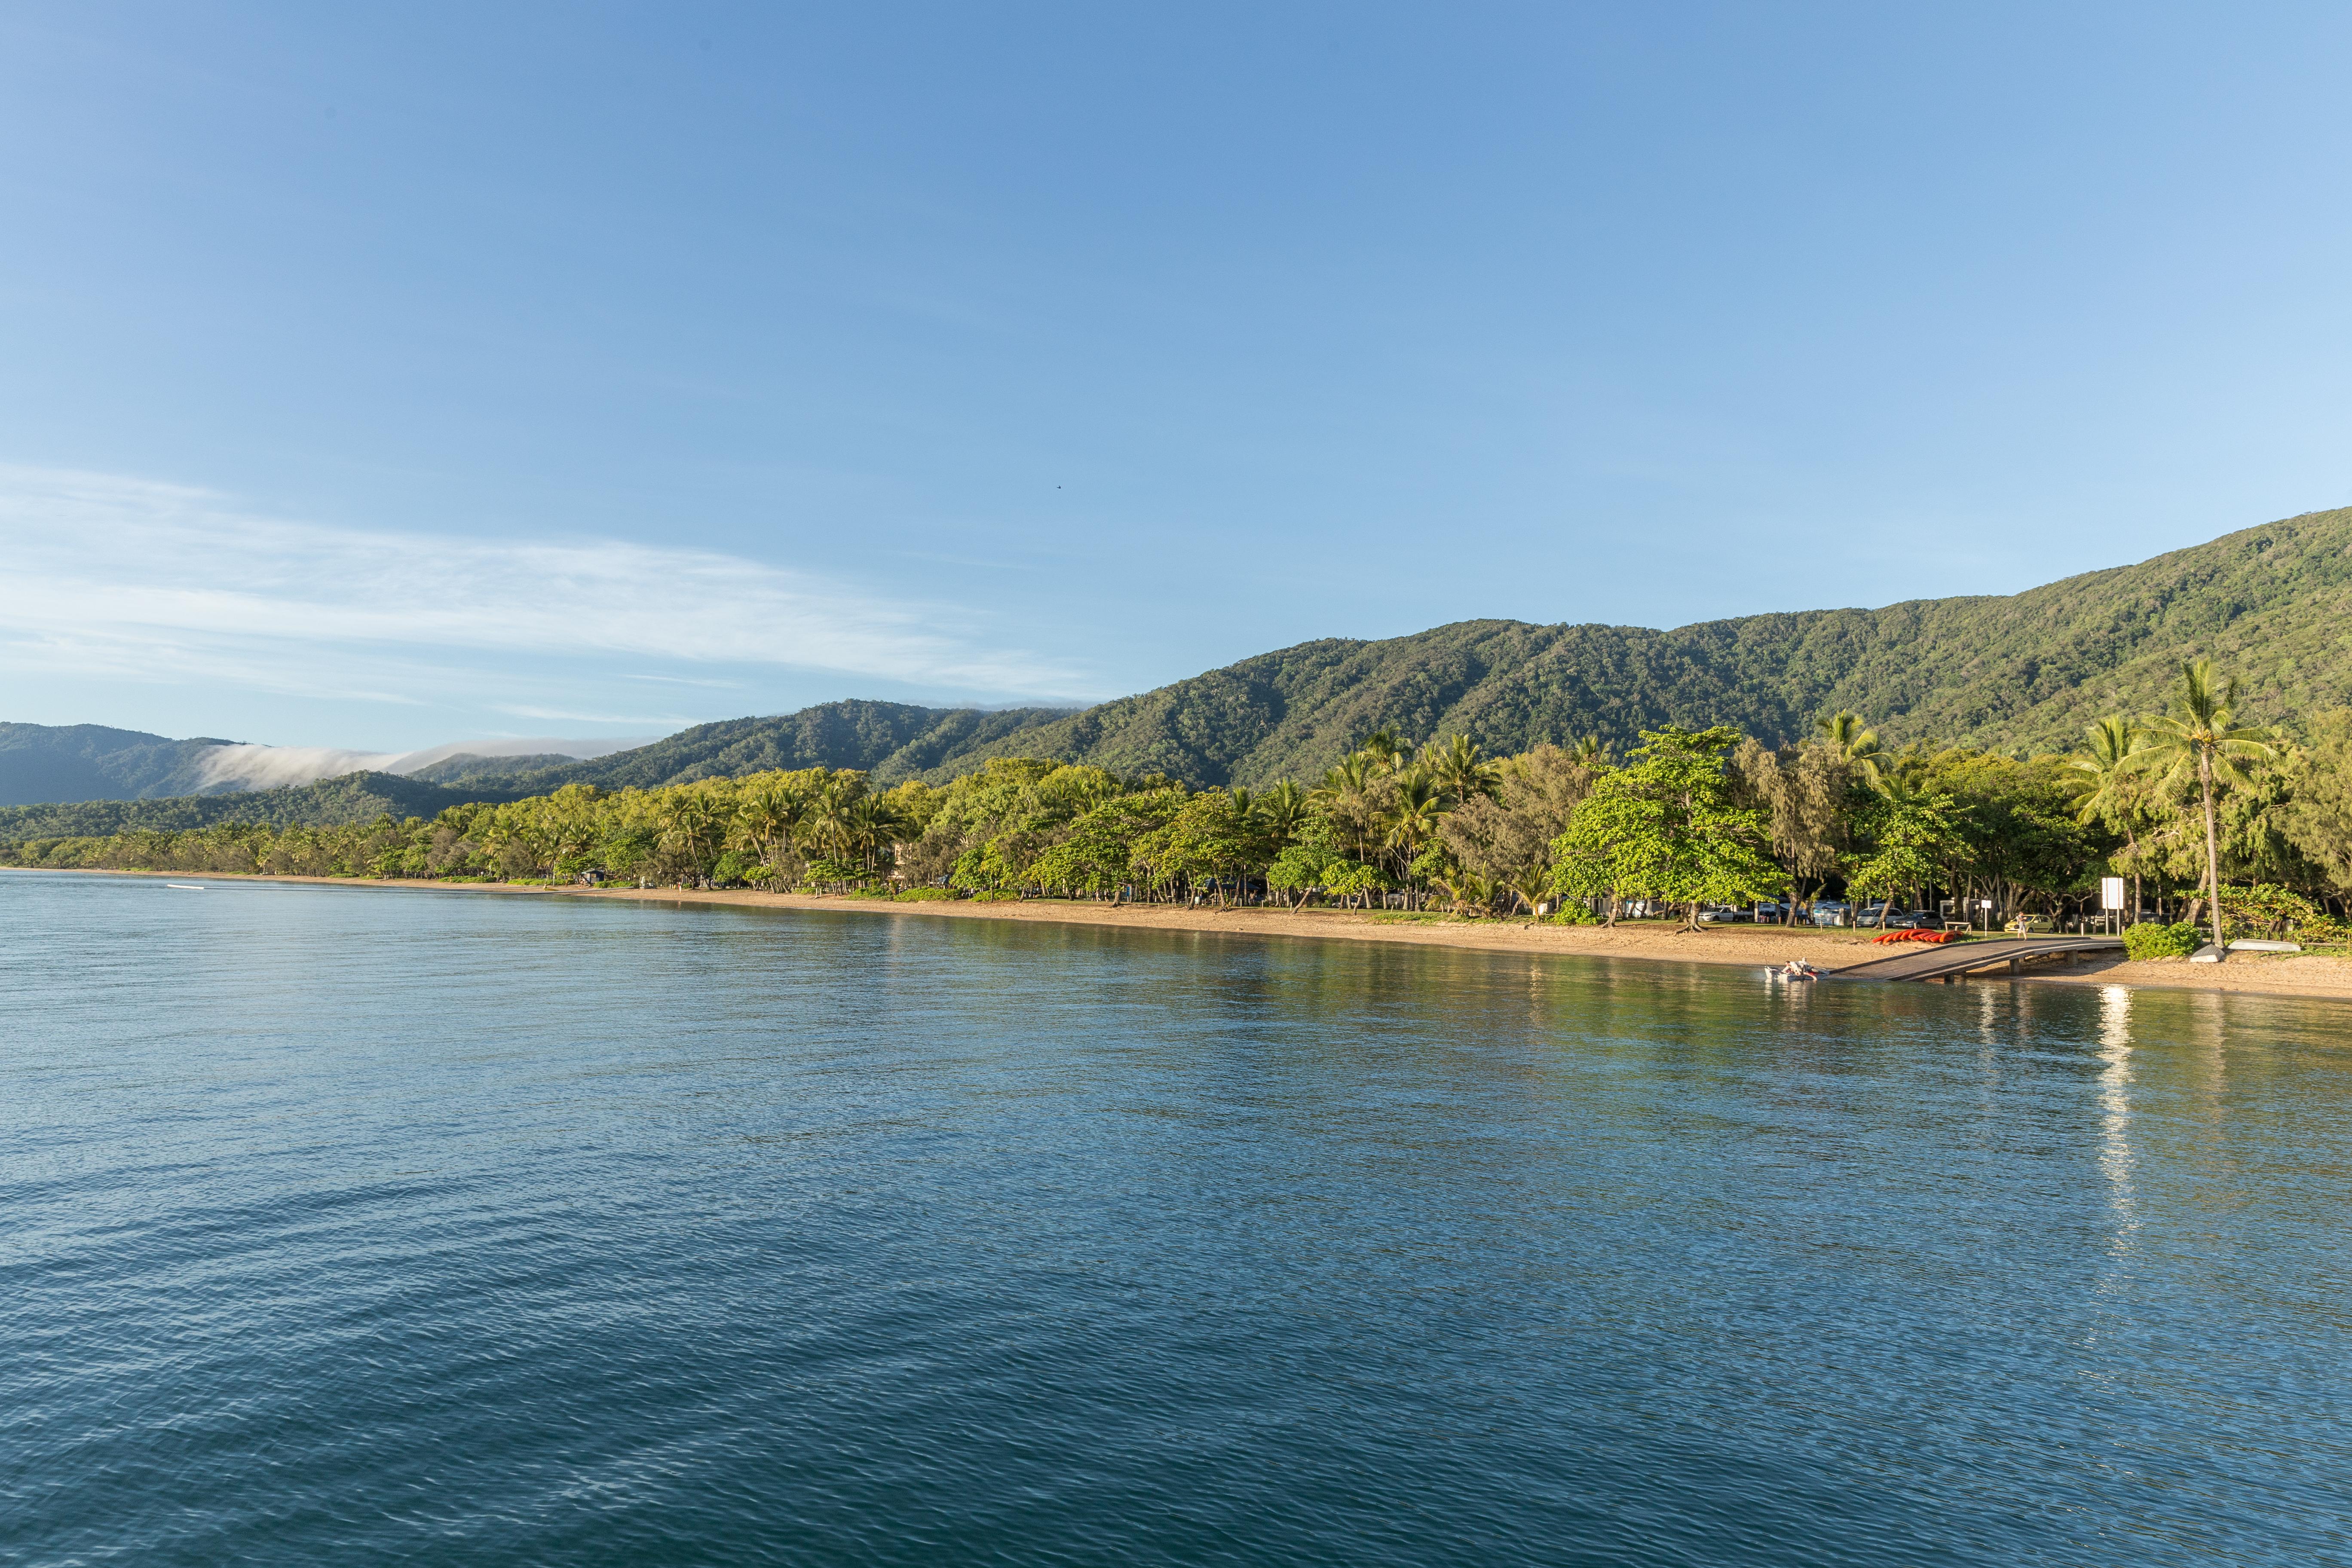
467	766
2271	605
43	762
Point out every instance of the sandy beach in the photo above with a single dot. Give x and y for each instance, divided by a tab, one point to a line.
1747	947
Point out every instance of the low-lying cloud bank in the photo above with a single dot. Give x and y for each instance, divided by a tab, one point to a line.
277	767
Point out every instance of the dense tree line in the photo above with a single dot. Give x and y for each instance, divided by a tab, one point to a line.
1689	818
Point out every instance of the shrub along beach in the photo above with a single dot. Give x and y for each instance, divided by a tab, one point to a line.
1685	823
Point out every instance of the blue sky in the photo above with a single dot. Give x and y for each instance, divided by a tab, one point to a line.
380	376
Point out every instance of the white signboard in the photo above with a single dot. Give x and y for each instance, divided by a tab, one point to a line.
2110	892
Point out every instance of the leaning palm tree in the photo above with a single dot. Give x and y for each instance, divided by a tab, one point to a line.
1852	740
2197	733
2104	792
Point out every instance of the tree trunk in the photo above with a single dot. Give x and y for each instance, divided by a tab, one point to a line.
2213	840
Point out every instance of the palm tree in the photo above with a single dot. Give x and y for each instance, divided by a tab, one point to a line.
1591	752
1528	885
1461	769
1351	774
2104	793
871	825
1413	818
829	814
1281	812
1383	749
1473	894
2197	733
768	817
1858	744
690	829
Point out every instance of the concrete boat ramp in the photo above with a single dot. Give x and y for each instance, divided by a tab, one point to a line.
1949	961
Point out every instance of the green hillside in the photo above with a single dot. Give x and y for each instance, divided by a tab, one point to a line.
2272	603
890	740
93	762
354	797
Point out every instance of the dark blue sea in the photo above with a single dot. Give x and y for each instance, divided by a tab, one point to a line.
341	1226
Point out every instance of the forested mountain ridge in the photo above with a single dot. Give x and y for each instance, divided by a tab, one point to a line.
94	761
330	803
2272	606
889	739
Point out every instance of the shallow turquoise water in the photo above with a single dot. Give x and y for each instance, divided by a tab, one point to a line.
356	1228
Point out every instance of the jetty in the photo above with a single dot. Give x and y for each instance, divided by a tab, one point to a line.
2003	956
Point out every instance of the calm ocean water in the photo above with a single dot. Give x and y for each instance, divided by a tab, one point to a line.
354	1227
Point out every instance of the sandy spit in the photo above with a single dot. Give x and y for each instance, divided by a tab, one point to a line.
1747	947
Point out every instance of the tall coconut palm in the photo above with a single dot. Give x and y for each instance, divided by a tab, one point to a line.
1591	751
1461	769
691	829
1414	816
2197	734
1351	774
1384	750
871	825
829	822
768	817
2104	791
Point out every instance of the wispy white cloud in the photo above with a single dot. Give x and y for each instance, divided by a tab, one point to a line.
133	579
272	767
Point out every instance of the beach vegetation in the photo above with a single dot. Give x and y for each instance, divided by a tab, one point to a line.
2179	804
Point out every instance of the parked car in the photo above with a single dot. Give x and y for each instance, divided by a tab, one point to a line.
1831	912
1911	919
1733	914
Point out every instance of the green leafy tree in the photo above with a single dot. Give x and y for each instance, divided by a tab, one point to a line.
1909	838
1667	826
2318	820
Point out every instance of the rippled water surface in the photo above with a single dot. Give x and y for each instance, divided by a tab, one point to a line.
350	1227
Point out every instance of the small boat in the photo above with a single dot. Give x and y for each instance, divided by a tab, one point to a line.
184	886
1795	969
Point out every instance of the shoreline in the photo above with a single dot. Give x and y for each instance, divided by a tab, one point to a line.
2308	977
